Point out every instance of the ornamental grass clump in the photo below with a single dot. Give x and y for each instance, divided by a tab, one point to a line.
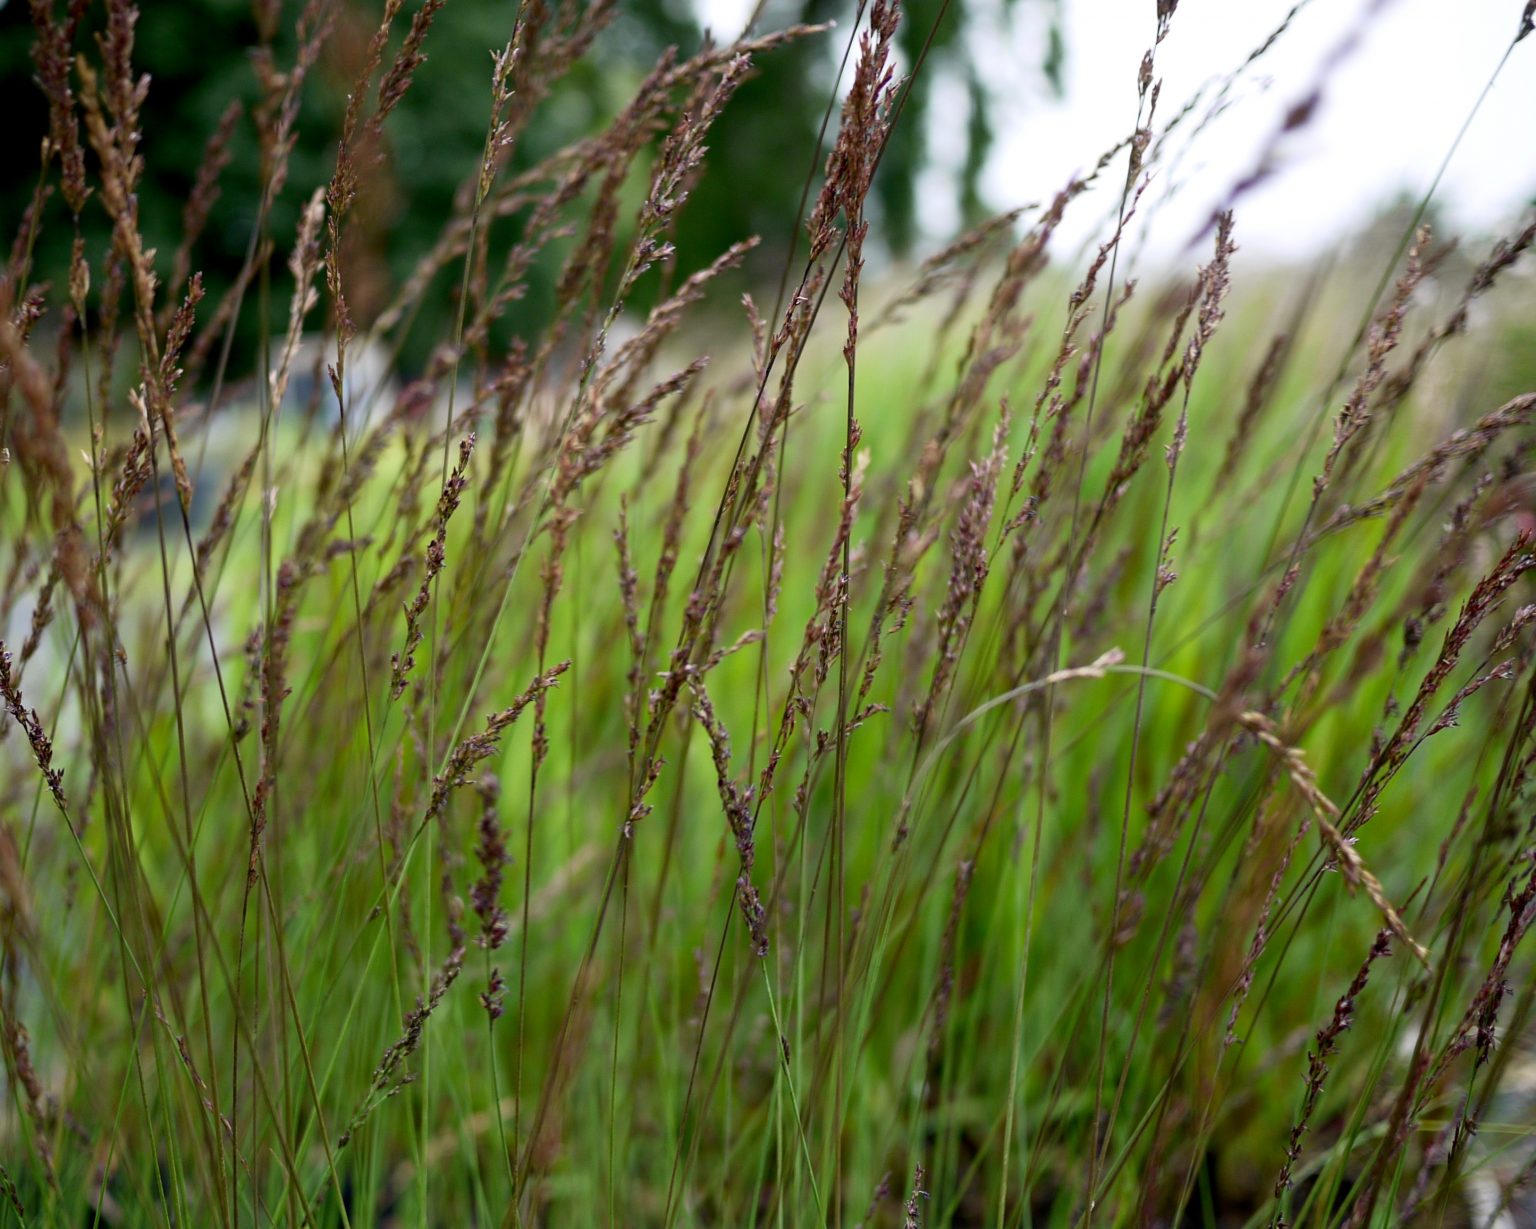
710	738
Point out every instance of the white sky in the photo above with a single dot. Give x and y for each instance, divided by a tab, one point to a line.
1390	110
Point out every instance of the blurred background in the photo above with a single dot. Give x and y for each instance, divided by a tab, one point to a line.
1014	95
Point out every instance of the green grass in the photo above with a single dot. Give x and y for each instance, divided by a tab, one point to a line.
243	966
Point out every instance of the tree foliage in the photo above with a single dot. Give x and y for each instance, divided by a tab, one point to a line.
198	55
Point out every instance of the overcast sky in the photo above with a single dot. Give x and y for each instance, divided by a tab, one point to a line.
1391	109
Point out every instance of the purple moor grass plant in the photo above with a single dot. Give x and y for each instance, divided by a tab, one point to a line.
960	740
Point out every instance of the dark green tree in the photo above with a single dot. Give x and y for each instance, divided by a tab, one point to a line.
197	54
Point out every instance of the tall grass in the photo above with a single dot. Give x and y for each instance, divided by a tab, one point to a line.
1004	748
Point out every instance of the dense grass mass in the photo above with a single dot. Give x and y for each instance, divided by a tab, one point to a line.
999	746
